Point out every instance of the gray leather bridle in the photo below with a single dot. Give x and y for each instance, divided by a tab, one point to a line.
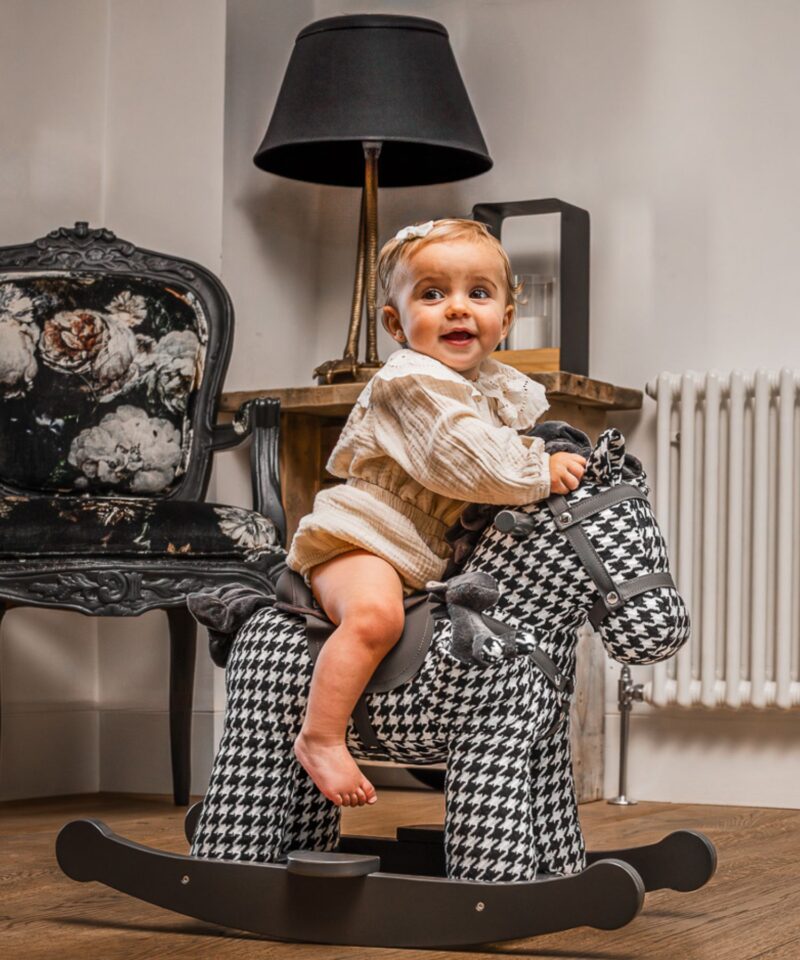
569	519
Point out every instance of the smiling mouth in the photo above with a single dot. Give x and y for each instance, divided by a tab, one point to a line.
459	336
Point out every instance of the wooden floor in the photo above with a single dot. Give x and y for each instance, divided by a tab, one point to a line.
751	909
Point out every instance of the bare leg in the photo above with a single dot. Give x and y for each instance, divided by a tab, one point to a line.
363	595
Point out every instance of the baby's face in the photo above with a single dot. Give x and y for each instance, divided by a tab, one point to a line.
451	304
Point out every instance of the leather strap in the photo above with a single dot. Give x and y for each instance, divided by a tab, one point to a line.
568	514
363	724
627	591
568	518
544	663
582	546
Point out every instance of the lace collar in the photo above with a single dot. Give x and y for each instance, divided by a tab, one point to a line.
517	400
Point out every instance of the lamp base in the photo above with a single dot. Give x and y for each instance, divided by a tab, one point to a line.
346	370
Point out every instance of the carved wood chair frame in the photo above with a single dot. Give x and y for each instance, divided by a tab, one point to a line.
114	586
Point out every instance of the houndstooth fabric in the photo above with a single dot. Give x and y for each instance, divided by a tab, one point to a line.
261	803
511	811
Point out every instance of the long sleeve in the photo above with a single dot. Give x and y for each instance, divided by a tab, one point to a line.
433	430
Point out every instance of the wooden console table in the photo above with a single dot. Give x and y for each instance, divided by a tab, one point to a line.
311	419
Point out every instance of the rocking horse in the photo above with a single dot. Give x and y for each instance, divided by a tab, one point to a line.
488	694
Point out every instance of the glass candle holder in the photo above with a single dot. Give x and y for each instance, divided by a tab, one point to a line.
533	325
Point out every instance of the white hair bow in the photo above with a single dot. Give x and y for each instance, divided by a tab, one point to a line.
412	232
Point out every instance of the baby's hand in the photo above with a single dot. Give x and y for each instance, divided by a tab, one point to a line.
566	470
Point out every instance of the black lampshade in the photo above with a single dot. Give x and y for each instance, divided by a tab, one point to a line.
377	77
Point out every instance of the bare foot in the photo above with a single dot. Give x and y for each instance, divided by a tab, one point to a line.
334	771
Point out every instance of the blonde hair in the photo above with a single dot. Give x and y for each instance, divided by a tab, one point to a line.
395	253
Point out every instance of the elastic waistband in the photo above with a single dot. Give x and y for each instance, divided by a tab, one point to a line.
424	522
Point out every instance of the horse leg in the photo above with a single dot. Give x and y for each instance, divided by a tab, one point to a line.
486	788
489	826
260	803
554	807
483	722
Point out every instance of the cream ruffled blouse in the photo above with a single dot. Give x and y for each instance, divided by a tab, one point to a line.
420	443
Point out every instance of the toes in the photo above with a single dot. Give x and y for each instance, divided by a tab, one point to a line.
369	791
362	797
370	796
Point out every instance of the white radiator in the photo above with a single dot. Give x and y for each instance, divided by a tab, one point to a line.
728	500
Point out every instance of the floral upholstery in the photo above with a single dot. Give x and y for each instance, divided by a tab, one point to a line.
97	378
112	358
130	527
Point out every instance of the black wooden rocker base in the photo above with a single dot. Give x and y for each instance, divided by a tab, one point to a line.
380	892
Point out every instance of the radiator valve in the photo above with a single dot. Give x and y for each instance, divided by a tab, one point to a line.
627	693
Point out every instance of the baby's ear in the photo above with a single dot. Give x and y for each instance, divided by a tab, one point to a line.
390	319
508	320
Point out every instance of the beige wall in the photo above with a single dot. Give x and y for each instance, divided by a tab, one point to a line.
51	167
269	250
163	184
673	123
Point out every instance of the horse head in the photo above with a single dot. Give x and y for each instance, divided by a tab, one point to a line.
595	554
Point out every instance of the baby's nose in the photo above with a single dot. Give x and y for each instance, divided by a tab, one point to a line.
458	304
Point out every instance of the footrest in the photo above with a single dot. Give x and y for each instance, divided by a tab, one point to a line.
315	863
421	833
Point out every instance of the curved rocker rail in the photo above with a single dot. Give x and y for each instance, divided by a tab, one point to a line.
373	909
684	860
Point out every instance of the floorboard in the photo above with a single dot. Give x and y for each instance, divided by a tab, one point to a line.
749	911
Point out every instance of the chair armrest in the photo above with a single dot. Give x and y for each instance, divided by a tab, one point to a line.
261	419
225	436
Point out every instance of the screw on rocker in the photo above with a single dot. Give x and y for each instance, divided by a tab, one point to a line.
488	695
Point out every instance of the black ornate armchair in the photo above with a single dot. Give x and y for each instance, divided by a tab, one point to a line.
111	362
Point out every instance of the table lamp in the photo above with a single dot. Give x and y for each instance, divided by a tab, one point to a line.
369	97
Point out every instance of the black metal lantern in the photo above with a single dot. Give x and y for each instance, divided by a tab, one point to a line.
573	270
364	98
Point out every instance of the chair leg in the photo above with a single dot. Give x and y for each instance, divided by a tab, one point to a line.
3	609
183	636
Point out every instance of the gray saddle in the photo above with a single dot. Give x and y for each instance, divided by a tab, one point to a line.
403	660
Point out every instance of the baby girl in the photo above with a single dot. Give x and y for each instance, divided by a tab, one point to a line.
437	427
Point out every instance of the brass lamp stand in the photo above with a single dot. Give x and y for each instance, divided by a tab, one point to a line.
358	87
349	368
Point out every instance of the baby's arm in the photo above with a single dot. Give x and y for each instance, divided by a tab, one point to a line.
431	428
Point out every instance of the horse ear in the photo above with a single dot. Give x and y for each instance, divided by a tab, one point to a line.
606	461
633	473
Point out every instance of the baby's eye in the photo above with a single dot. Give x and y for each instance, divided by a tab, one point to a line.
479	293
432	294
